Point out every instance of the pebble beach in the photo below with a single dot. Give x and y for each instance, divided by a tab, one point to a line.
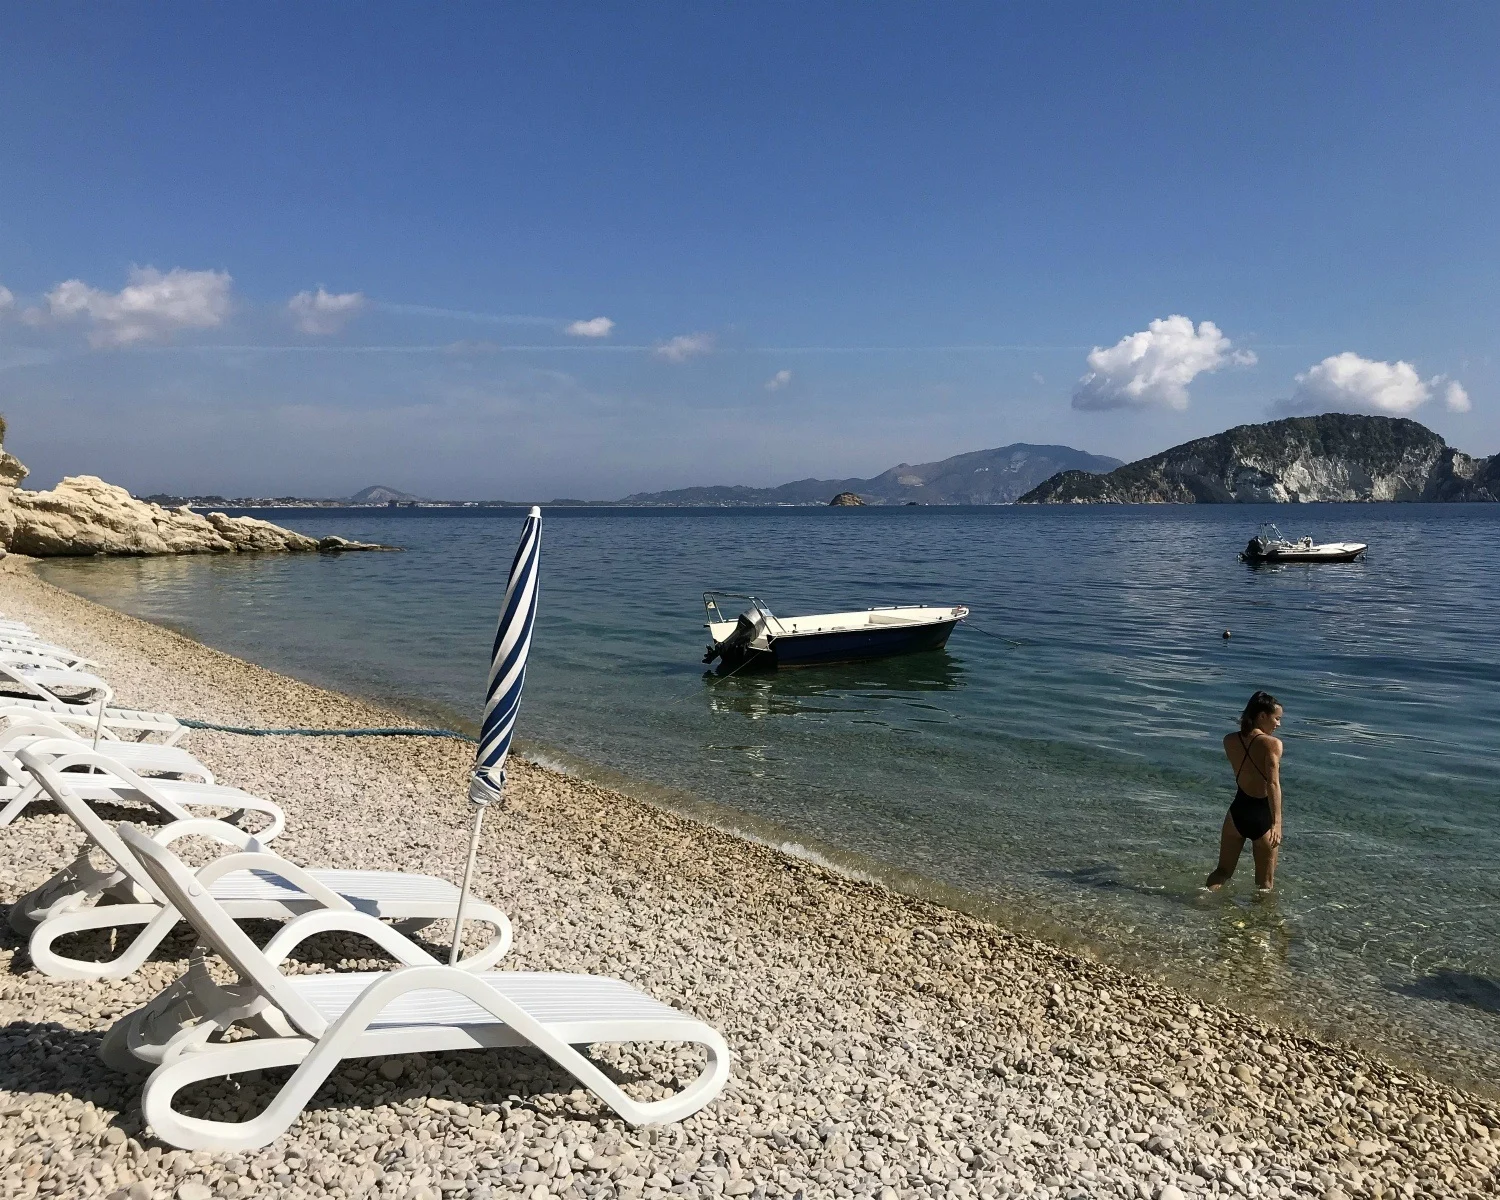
883	1046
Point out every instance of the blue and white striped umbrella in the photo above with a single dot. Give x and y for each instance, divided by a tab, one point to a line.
502	699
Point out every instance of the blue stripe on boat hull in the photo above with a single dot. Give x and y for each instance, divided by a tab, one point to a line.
814	649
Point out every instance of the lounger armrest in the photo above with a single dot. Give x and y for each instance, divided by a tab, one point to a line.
207	827
274	864
392	941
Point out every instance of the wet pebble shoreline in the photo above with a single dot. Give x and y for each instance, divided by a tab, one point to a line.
884	1046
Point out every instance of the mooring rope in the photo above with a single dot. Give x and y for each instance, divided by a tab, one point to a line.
373	731
999	637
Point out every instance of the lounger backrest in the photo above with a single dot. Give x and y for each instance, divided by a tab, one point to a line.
84	756
46	761
218	930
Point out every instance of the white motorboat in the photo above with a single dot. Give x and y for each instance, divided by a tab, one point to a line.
1269	546
758	633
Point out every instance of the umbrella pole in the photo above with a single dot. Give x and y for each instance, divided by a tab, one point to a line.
104	698
463	896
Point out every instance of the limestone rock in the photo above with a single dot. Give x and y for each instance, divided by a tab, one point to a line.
83	515
332	543
845	500
12	470
1331	457
247	533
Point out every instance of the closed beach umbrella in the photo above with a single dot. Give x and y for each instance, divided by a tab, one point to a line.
502	699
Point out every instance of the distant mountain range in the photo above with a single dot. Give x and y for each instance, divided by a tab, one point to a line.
979	477
1331	457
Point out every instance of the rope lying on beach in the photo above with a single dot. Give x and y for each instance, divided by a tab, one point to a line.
374	731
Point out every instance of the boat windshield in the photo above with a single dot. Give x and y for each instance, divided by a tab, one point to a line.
713	605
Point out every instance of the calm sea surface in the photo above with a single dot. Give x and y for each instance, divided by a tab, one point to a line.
1058	766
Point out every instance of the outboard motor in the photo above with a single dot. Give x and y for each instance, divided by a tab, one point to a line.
1257	548
751	625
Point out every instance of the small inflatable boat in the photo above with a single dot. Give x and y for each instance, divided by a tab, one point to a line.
1268	546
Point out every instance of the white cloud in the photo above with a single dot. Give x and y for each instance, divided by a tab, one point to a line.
7	298
1153	368
778	381
1349	383
595	327
322	312
1455	397
685	346
151	307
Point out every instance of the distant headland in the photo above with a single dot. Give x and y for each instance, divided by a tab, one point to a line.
1331	457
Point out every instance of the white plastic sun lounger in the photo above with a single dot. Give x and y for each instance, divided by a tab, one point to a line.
313	1022
19	788
112	781
252	884
44	688
115	721
44	682
42	653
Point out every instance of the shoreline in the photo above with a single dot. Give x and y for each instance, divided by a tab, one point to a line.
881	1041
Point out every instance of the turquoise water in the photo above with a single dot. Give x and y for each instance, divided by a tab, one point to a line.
1060	769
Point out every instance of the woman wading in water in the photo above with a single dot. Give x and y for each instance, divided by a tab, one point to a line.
1255	815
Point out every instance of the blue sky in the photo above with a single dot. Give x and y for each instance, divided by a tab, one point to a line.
823	238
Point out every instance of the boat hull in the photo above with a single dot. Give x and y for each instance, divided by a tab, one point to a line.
849	645
1316	554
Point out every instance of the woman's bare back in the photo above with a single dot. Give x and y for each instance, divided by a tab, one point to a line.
1252	755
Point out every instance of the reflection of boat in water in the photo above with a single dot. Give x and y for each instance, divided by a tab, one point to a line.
1269	546
880	688
878	680
759	635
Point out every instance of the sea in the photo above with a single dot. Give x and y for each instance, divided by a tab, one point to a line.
1057	768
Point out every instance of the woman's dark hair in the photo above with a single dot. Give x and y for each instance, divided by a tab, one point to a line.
1260	704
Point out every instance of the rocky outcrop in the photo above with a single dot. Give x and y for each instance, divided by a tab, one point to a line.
1331	457
83	515
846	500
1467	478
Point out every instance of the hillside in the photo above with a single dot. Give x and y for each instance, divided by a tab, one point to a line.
979	477
1334	456
380	494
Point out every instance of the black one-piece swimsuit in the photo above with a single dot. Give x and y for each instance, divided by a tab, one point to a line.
1251	814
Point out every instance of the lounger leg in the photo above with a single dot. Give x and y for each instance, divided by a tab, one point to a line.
17	804
76	884
158	922
214	1062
